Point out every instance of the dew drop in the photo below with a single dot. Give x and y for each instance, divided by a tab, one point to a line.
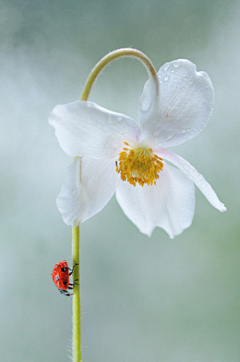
166	78
176	65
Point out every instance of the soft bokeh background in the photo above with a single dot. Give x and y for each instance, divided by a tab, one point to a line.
143	299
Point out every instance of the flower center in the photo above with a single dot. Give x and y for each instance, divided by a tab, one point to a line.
139	165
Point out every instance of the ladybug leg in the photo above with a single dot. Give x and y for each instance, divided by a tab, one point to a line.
71	270
65	292
71	285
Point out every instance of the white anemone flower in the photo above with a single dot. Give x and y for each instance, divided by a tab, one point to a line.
117	154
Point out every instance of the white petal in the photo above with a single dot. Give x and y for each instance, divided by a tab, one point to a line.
91	184
183	107
169	204
194	175
88	130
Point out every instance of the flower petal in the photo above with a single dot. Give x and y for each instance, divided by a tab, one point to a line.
194	175
91	184
183	107
169	204
88	130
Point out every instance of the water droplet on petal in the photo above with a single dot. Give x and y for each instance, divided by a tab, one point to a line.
176	65
166	78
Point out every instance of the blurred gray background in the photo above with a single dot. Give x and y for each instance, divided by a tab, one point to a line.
143	299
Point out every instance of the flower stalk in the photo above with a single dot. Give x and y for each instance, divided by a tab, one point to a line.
77	354
124	52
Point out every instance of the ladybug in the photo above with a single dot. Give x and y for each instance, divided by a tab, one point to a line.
60	277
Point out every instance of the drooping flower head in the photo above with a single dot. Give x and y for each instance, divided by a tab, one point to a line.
117	154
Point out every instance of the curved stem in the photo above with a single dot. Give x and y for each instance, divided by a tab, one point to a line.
124	52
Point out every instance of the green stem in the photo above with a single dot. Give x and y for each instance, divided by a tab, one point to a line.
125	52
77	354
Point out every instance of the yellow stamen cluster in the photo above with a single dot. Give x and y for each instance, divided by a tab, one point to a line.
139	165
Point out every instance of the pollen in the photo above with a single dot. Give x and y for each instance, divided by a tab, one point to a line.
139	165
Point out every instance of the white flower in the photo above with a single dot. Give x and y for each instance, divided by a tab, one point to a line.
117	154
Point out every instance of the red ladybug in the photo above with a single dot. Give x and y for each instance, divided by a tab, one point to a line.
60	277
